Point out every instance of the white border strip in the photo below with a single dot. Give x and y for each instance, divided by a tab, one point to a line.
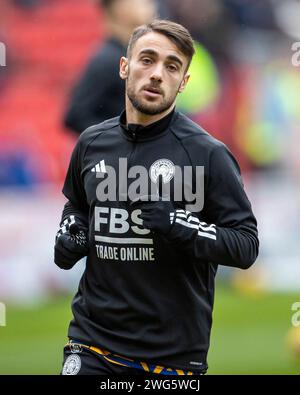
120	240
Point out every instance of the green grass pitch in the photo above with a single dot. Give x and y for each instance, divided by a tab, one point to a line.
248	336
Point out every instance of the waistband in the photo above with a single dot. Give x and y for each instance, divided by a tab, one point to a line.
76	346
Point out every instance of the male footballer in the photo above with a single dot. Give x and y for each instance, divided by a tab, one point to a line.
156	204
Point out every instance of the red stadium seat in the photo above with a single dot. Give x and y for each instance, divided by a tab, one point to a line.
49	45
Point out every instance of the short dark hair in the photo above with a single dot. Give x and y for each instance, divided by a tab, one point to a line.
175	32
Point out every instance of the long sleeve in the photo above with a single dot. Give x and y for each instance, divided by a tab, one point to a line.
81	218
225	231
73	188
68	251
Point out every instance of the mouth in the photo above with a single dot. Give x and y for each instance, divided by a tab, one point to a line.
153	91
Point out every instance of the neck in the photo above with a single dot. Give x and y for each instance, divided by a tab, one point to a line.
137	117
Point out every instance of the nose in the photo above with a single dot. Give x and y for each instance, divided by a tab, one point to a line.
157	73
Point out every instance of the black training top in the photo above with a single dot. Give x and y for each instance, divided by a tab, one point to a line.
142	295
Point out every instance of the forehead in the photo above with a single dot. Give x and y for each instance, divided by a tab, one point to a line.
158	43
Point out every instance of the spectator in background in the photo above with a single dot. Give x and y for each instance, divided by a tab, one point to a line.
99	93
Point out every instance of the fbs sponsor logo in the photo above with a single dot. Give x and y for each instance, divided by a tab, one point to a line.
118	222
125	254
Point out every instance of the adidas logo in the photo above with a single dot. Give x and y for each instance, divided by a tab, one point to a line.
99	168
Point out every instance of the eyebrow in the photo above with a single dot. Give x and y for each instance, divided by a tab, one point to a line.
154	53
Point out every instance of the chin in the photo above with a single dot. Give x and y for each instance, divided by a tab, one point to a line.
150	110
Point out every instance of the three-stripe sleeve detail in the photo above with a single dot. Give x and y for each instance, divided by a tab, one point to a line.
185	218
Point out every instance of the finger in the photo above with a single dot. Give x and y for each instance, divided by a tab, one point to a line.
139	200
145	217
148	209
68	250
63	257
74	229
65	242
147	224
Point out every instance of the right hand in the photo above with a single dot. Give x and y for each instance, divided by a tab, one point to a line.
71	243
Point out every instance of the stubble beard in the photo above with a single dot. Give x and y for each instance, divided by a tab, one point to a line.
151	108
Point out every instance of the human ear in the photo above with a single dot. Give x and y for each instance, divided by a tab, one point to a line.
123	68
183	83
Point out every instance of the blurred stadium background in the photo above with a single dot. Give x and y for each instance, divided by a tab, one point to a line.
245	90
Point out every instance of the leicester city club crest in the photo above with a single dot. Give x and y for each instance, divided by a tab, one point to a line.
163	167
72	365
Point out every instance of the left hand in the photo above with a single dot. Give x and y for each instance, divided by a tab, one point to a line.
156	214
156	211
